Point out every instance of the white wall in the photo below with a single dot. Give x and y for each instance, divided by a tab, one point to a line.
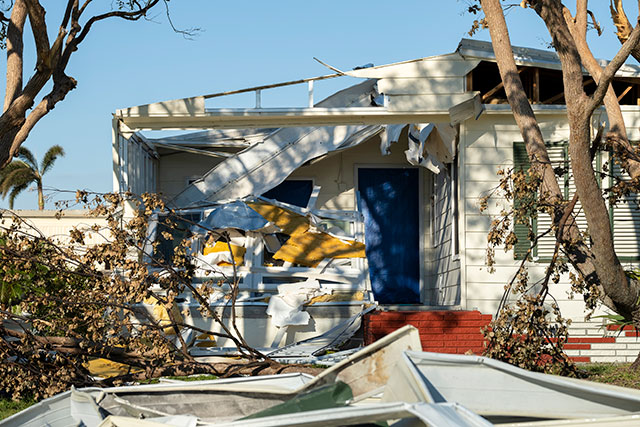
135	165
444	275
336	175
487	145
176	168
45	222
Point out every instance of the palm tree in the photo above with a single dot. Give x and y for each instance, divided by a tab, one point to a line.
20	174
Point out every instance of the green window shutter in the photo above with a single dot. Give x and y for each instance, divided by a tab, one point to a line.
521	163
558	155
625	219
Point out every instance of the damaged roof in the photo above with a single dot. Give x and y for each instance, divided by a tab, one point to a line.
526	56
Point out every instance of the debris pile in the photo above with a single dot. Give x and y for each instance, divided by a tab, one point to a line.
390	381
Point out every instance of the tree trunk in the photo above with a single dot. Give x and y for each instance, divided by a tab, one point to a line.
580	255
598	264
40	196
610	273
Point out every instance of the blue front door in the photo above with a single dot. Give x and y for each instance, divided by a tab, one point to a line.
390	204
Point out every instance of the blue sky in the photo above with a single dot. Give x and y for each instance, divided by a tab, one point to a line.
242	43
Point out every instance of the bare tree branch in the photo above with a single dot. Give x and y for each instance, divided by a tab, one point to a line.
129	16
617	127
39	31
57	94
15	50
52	60
612	67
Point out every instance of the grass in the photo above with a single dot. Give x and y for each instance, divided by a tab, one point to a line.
194	378
9	407
186	379
613	373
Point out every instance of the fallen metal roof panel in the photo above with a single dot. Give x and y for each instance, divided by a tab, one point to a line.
440	415
56	411
493	388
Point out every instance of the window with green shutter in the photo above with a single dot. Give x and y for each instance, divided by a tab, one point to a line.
625	219
521	163
559	157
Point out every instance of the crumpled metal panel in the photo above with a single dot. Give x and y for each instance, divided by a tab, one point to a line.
263	166
236	214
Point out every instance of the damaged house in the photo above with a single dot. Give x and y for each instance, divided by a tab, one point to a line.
368	196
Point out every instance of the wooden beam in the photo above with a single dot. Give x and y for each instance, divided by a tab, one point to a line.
626	91
553	98
561	94
497	88
536	85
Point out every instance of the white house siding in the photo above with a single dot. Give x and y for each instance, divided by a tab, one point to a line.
487	145
176	168
46	223
336	175
136	165
444	275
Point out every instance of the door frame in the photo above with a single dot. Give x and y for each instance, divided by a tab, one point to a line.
421	213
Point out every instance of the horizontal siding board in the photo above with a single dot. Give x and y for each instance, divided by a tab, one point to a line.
553	126
478	257
626	222
484	155
421	86
476	189
495	206
482	172
490	139
439	102
478	223
476	239
502	274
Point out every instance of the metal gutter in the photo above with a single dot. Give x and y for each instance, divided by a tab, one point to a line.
302	117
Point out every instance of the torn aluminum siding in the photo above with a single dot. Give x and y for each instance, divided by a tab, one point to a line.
277	276
264	165
430	91
504	393
60	411
216	138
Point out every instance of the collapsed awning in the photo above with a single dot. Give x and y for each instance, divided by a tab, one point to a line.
263	166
